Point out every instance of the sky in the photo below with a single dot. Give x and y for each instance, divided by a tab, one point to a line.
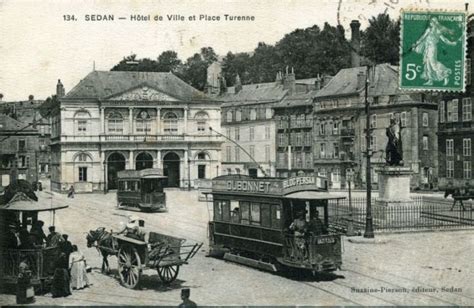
38	45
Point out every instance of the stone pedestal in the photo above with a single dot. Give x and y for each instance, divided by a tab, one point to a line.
394	185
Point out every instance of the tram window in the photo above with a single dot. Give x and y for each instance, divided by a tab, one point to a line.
276	216
221	210
225	211
234	211
266	215
245	213
255	214
132	185
217	211
121	185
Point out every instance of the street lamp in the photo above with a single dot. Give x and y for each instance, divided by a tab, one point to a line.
350	227
369	228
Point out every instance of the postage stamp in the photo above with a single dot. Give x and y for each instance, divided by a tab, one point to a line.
433	51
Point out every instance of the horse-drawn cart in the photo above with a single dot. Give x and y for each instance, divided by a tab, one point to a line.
162	252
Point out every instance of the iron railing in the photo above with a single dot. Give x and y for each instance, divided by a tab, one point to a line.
422	213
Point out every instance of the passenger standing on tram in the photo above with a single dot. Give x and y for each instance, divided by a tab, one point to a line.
54	238
300	226
316	226
37	233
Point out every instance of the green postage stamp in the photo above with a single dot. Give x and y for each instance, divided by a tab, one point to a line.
432	51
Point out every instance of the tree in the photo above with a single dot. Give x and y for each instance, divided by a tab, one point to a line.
195	69
381	40
129	63
168	61
265	63
234	64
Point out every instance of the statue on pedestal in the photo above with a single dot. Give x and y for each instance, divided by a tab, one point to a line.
393	151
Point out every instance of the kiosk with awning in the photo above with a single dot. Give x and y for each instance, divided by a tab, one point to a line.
274	223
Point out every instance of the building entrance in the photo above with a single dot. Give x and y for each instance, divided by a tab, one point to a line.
115	163
171	163
144	161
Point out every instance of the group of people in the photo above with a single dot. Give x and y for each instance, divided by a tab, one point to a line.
301	227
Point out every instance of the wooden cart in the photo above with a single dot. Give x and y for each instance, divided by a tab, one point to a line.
162	252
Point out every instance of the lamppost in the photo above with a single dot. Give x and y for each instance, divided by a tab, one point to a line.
369	228
350	227
105	176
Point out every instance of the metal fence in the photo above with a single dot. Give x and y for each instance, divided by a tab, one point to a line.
422	213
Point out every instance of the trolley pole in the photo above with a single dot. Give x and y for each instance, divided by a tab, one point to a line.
369	228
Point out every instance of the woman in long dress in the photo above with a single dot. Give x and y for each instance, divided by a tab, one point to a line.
77	267
427	45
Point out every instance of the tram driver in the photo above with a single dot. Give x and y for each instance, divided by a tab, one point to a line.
316	226
300	226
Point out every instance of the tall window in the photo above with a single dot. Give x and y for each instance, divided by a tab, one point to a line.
449	169
322	150
373	121
425	143
237	154
267	153
308	139
281	140
373	143
453	110
336	150
229	116
466	147
335	128
237	133
201	121
251	133
336	175
268	113
425	121
21	145
82	174
403	119
253	114
81	118
115	123
468	71
201	171
467	170
322	130
228	132
23	161
170	123
228	154
449	147
466	109
252	151
267	132
441	111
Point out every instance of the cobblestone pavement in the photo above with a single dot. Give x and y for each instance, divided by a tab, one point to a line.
400	269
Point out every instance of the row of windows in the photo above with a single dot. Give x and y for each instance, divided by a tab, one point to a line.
248	213
448	110
297	139
249	114
251	136
466	168
298	159
466	147
237	156
294	121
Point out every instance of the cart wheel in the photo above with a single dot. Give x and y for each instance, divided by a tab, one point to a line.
129	266
168	273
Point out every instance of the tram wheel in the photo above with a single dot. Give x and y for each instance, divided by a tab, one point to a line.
168	273
129	266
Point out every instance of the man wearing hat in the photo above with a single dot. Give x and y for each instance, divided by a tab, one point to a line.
187	303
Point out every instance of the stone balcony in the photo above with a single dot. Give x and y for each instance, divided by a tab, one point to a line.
142	138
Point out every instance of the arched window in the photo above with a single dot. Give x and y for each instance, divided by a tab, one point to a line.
253	114
143	122
170	123
229	116
201	121
268	113
115	123
238	115
82	120
202	164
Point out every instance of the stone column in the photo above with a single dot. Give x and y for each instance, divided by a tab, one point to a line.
102	120
130	120
158	160
185	130
131	163
158	121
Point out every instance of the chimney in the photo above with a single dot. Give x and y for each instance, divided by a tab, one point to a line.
237	84
360	80
59	89
355	43
317	83
289	83
278	78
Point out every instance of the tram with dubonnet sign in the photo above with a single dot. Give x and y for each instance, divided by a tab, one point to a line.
142	190
274	223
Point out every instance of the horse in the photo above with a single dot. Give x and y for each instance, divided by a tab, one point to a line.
106	245
458	195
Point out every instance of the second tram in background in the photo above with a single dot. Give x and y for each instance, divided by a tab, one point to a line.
274	223
141	190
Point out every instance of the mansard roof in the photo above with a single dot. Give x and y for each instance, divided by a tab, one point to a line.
10	125
346	82
255	93
103	84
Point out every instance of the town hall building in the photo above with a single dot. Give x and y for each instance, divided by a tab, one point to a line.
112	121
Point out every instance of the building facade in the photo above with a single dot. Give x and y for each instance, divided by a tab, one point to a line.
19	151
456	130
113	121
340	125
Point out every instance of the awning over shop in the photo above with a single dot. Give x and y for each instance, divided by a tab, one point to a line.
314	195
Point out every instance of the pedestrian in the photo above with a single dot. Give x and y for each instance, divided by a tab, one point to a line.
37	233
60	286
316	226
66	246
54	238
77	268
187	303
71	192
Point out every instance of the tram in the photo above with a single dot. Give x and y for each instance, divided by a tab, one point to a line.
254	218
141	190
